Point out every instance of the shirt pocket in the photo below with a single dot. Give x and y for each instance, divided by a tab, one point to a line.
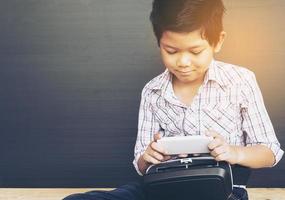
221	118
169	121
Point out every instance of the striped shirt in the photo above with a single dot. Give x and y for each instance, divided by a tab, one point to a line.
229	102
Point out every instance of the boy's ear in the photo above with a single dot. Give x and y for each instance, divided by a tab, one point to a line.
219	45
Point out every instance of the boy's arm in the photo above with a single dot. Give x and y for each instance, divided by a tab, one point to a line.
256	156
147	127
262	148
257	125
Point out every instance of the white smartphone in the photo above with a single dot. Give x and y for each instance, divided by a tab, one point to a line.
185	144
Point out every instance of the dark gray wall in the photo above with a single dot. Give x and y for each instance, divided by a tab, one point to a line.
70	82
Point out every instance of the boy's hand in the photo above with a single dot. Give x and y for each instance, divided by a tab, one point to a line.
154	153
221	150
182	155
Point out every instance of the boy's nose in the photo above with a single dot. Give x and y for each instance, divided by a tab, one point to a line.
184	61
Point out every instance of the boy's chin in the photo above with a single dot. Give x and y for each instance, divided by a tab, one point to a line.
187	79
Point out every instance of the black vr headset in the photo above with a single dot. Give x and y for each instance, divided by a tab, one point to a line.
193	178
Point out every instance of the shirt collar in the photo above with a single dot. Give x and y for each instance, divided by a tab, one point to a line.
161	82
215	73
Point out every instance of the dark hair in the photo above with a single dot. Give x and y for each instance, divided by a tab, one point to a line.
187	16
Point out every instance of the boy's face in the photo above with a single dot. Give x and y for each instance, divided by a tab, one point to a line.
187	55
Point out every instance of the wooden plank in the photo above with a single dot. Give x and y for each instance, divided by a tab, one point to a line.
57	194
266	193
41	193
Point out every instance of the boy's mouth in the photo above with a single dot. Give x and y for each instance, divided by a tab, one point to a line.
186	72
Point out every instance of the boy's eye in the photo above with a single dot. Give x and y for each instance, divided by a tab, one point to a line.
194	52
197	52
171	52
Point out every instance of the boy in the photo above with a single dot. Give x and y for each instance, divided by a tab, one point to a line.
197	95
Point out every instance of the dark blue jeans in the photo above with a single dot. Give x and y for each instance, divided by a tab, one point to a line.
134	191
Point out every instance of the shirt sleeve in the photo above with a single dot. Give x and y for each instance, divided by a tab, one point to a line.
147	127
256	122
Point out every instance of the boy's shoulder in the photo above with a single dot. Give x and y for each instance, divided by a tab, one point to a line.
234	74
158	82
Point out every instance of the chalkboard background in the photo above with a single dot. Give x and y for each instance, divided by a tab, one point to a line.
70	82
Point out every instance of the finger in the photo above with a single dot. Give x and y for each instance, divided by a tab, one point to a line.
222	157
183	155
156	147
157	136
150	159
219	150
215	143
166	158
156	155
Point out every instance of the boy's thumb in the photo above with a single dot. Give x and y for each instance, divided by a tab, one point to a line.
157	136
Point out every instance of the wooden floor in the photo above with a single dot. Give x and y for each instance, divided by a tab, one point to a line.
58	194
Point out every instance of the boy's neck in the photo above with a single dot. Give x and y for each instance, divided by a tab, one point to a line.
186	92
184	85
